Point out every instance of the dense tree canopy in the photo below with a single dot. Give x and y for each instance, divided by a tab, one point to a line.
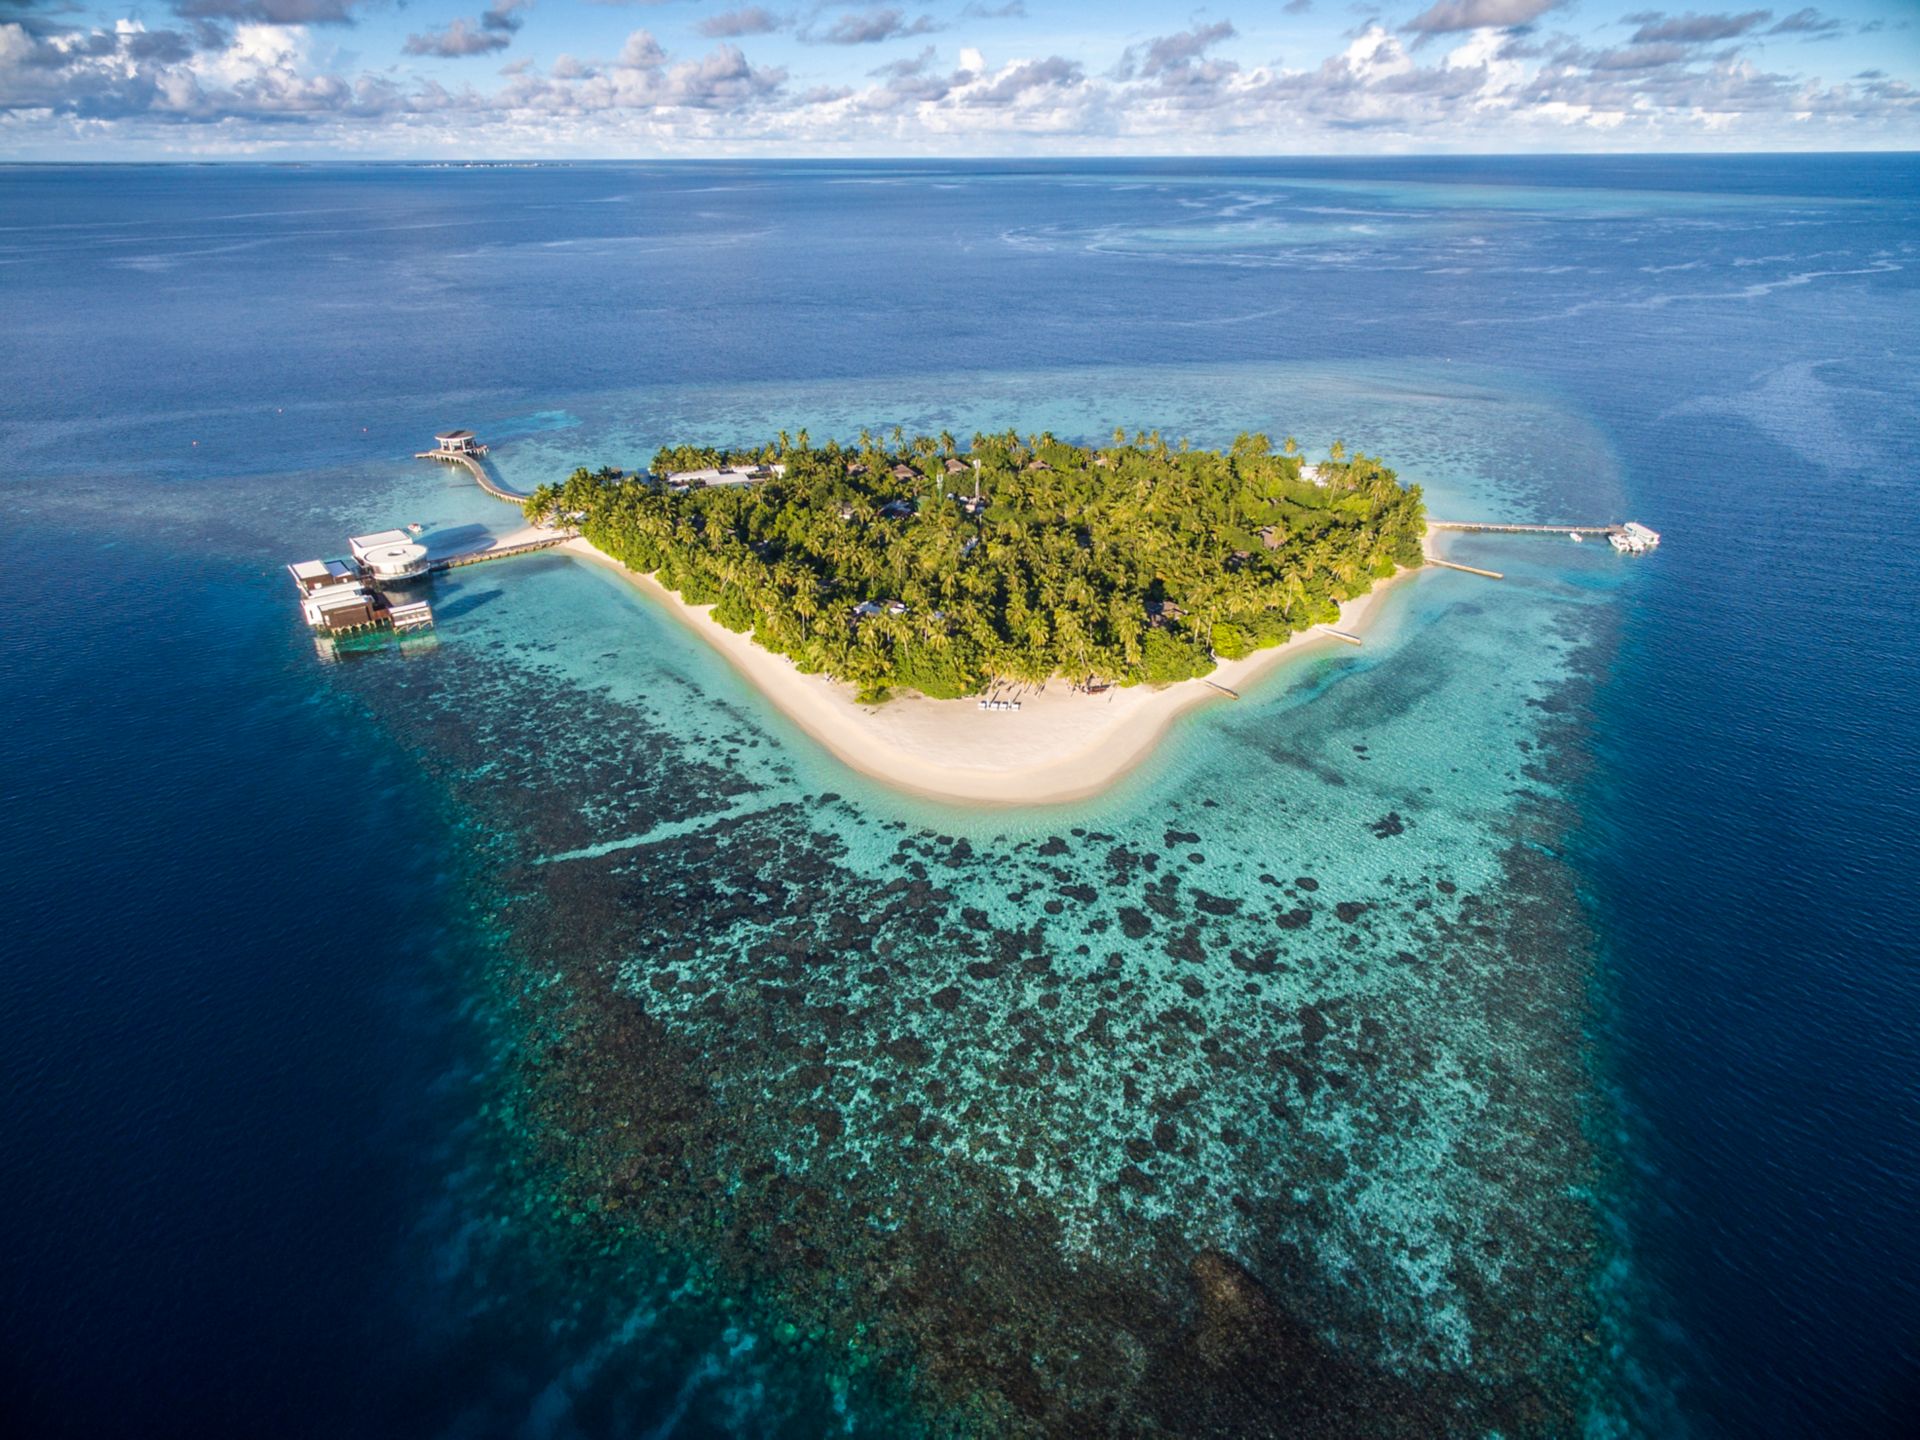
908	563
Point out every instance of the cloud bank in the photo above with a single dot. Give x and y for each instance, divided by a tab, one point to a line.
252	76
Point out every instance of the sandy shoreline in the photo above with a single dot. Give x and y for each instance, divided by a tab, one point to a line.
1059	746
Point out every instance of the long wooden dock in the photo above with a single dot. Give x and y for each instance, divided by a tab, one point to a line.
1470	569
477	470
500	552
1494	526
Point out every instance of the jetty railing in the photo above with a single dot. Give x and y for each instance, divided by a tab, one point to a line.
1469	569
477	470
1491	525
500	552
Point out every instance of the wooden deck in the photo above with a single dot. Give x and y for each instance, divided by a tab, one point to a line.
521	542
1494	526
479	473
1470	569
500	551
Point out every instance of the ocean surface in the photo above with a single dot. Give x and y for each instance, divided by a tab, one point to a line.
1504	1028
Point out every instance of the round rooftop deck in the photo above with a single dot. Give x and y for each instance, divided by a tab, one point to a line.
396	561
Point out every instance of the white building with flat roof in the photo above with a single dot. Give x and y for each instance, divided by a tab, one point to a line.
312	575
338	607
1633	538
724	475
389	555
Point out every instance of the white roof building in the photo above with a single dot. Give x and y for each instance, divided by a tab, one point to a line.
725	475
1633	538
337	607
311	575
389	555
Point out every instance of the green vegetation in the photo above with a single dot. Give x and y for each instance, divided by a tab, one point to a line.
1136	562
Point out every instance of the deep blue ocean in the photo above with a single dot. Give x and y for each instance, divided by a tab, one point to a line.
492	1034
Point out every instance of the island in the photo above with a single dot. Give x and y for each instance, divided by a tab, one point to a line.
1015	622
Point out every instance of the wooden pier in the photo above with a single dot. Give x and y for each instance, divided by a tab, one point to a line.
501	552
338	598
1497	528
471	459
1470	569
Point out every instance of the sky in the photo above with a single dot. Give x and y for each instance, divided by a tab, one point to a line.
463	79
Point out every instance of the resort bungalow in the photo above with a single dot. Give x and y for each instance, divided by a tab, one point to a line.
312	575
331	596
1161	613
683	480
389	556
955	465
410	615
897	510
459	442
335	599
339	607
867	609
904	471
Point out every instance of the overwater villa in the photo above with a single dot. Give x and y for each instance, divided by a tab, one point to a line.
332	597
389	556
336	599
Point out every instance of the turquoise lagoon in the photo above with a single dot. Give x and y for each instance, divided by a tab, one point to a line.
1298	988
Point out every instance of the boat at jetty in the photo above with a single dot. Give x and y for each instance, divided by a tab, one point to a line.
1633	538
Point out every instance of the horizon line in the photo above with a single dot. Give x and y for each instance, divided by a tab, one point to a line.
895	159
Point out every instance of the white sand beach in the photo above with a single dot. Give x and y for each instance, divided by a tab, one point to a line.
1060	745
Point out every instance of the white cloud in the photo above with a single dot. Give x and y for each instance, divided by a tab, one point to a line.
1448	16
747	20
870	27
266	83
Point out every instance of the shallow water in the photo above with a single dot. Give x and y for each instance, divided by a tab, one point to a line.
534	992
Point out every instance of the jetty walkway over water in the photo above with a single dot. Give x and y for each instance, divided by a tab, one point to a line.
471	459
338	597
521	542
1489	525
458	447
